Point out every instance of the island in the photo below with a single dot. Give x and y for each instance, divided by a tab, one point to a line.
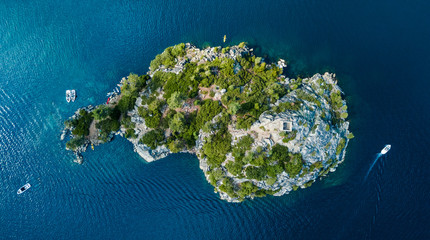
254	130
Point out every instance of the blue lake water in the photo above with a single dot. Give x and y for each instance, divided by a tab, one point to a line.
378	49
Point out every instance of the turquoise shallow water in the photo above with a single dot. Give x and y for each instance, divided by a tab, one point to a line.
379	51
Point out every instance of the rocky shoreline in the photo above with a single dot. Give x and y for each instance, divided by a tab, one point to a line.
310	131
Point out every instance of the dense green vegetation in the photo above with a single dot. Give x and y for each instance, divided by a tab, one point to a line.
217	146
176	107
74	143
153	138
82	123
168	57
107	117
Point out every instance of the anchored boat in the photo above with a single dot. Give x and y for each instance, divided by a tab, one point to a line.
24	188
73	95
68	94
386	149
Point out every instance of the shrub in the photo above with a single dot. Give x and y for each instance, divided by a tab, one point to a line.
344	115
340	146
126	103
207	112
247	189
257	173
279	153
217	146
228	187
242	44
235	167
107	126
82	123
129	133
316	165
101	112
308	184
153	138
274	170
175	146
74	143
127	123
167	58
271	181
175	100
177	123
294	165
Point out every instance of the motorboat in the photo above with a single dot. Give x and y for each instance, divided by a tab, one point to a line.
386	149
24	188
68	94
73	95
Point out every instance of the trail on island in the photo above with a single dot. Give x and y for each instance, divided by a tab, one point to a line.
373	164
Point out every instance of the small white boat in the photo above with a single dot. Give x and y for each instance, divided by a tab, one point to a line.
24	188
73	95
68	94
386	149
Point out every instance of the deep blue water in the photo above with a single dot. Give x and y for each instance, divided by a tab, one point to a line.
378	49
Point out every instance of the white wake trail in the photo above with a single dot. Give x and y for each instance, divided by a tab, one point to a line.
373	164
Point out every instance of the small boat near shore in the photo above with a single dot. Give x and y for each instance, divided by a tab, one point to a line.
225	38
70	95
23	188
73	95
386	149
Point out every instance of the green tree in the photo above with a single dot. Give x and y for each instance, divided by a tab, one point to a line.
82	123
175	100
257	173
176	146
177	123
247	189
74	143
153	138
233	108
101	112
235	167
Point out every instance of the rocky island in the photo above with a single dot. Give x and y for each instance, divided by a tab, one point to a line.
254	130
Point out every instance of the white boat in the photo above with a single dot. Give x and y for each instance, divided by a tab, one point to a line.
24	188
68	93
73	95
386	149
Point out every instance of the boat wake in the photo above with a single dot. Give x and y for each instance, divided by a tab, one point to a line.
373	164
